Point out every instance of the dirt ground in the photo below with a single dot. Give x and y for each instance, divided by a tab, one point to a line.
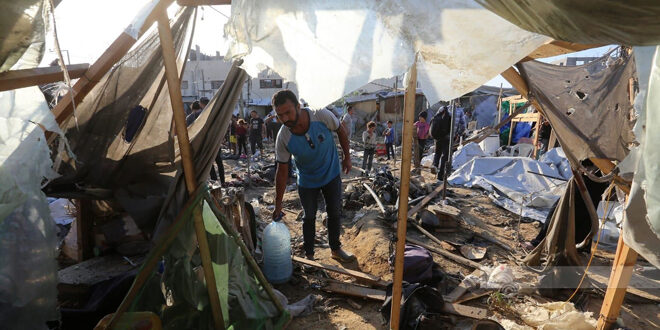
371	239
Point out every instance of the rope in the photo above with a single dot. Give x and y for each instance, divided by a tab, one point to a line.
65	71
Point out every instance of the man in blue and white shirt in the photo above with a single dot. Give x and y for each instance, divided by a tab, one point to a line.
307	136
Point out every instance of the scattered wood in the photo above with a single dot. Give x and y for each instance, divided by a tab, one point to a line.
378	201
460	289
473	295
374	294
446	254
367	278
424	201
354	290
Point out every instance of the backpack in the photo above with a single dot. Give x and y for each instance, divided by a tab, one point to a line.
436	127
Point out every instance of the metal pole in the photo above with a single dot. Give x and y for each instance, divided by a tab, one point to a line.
406	149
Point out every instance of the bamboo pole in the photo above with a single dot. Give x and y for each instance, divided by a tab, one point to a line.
406	150
174	88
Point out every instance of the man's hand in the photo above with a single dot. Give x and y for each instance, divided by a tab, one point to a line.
346	164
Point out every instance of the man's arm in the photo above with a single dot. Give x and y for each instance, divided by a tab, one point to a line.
281	177
343	141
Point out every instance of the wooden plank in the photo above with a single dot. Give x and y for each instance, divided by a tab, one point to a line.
622	269
404	189
424	201
84	222
558	47
527	117
473	295
553	139
460	289
467	311
368	278
38	76
354	290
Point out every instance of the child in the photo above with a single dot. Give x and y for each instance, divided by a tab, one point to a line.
369	139
389	139
232	135
422	133
241	137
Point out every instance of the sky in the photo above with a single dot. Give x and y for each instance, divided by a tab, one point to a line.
99	23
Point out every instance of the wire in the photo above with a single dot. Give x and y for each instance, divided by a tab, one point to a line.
219	12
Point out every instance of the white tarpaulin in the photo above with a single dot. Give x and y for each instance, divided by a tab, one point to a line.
330	48
516	181
465	154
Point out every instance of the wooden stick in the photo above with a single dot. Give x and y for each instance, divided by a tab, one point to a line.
460	289
406	150
446	253
425	201
368	278
174	88
378	201
15	79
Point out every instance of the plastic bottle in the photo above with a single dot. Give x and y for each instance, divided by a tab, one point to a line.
277	252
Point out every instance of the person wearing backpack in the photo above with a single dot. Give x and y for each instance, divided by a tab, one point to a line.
440	130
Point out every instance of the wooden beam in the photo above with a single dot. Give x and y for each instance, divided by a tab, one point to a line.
622	269
424	201
84	225
460	289
202	2
367	278
103	64
16	79
174	88
406	146
558	47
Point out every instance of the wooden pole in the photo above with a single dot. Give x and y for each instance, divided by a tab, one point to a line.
499	105
406	150
451	144
174	88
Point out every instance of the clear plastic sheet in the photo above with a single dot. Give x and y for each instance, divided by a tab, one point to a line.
642	222
330	48
22	30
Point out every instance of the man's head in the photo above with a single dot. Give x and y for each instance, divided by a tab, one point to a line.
371	126
203	102
287	107
443	109
254	114
422	117
389	124
241	122
350	110
195	106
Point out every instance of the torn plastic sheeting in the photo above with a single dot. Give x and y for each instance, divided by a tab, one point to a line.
332	48
466	153
641	225
133	29
513	185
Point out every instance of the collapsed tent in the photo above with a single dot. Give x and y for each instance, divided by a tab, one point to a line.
519	184
332	48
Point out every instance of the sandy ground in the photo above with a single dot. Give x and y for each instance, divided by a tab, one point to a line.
371	240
